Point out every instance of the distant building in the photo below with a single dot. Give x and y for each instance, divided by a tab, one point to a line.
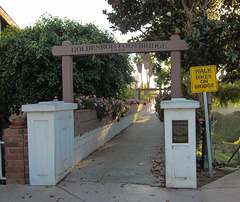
6	20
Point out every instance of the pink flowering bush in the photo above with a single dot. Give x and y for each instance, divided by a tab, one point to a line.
105	107
119	109
159	99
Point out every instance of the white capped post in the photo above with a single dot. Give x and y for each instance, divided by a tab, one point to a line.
180	142
50	141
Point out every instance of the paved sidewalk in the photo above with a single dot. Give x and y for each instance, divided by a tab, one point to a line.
121	171
127	158
221	190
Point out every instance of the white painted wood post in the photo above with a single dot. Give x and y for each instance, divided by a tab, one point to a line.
50	141
180	142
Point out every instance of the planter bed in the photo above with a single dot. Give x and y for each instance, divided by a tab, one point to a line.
86	120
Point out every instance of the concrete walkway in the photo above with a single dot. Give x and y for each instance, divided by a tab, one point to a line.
127	158
122	170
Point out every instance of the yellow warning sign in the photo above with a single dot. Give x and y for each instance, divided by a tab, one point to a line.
203	79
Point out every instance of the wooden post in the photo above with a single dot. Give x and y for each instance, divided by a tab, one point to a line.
139	95
176	83
67	76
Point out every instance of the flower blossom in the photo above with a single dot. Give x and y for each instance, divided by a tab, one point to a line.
55	99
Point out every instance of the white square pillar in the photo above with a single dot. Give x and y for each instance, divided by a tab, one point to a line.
50	141
180	142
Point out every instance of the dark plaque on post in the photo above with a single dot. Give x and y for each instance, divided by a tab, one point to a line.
180	131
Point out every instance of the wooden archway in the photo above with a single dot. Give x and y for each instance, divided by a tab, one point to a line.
67	51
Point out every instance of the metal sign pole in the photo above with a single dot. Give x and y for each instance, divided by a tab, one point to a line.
239	155
1	174
208	134
203	80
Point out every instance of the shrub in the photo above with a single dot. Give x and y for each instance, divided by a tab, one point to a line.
30	73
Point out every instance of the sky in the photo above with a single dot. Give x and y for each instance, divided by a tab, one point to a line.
26	12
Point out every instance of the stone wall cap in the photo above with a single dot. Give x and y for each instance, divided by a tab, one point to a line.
49	106
179	103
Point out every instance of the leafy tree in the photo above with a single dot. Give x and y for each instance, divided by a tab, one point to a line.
129	93
29	72
210	27
227	93
163	75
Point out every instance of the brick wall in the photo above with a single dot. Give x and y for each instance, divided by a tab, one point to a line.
16	156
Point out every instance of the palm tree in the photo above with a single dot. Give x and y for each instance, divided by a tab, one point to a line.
139	62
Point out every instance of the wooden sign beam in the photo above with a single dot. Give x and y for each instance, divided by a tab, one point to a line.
111	48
